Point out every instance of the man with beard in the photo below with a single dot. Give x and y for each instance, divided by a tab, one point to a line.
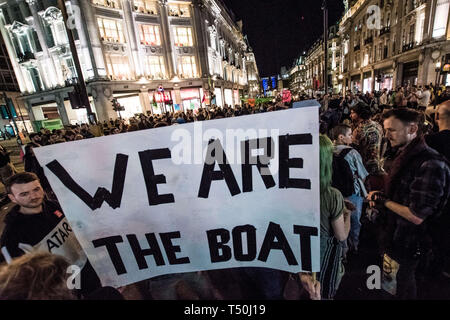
32	220
417	189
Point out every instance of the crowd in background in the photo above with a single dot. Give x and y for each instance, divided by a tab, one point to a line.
371	137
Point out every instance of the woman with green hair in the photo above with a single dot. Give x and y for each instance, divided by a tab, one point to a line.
334	229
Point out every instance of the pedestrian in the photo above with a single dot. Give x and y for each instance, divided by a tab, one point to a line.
31	220
334	229
417	189
7	169
441	237
342	136
424	98
367	137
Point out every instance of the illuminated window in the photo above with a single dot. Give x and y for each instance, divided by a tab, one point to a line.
179	10
149	35
60	33
187	67
183	37
441	18
111	30
115	4
118	67
154	67
145	6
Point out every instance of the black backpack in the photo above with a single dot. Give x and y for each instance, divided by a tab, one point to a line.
342	174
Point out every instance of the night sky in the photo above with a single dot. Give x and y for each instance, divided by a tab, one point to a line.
279	30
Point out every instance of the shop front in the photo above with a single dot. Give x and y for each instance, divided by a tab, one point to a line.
384	79
219	99
131	103
368	81
228	93
191	98
162	101
410	73
237	99
356	83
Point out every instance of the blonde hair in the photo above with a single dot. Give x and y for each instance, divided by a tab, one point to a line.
35	276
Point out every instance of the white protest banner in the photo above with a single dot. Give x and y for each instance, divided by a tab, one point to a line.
234	192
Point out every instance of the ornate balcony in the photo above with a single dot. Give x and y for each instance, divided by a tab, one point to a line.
368	41
408	47
27	56
385	30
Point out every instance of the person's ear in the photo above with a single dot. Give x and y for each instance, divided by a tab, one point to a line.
340	137
12	198
413	128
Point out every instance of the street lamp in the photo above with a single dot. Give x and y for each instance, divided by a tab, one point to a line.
325	40
436	84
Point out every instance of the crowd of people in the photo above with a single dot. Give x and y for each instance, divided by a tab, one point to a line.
384	167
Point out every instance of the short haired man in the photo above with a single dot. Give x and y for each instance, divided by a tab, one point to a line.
35	139
424	98
440	142
342	138
417	190
31	220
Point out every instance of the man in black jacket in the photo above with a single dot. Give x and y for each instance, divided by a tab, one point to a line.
38	224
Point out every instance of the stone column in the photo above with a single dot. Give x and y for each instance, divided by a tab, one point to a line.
132	41
199	38
29	108
93	37
103	104
85	49
372	74
145	100
38	27
167	42
59	99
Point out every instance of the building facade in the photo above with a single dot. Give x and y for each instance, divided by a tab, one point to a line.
392	43
10	106
297	76
314	63
152	56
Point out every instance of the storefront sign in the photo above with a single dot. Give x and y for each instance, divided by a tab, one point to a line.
200	196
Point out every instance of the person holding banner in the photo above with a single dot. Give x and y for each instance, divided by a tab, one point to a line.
334	230
37	224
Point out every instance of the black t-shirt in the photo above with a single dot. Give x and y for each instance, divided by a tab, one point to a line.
29	228
440	141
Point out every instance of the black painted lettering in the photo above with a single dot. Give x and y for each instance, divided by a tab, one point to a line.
238	246
140	253
63	235
215	153
260	161
215	245
55	236
111	247
152	180
305	244
67	227
171	250
274	232
113	198
286	163
51	245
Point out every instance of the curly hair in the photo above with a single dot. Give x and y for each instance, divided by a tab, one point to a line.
35	276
